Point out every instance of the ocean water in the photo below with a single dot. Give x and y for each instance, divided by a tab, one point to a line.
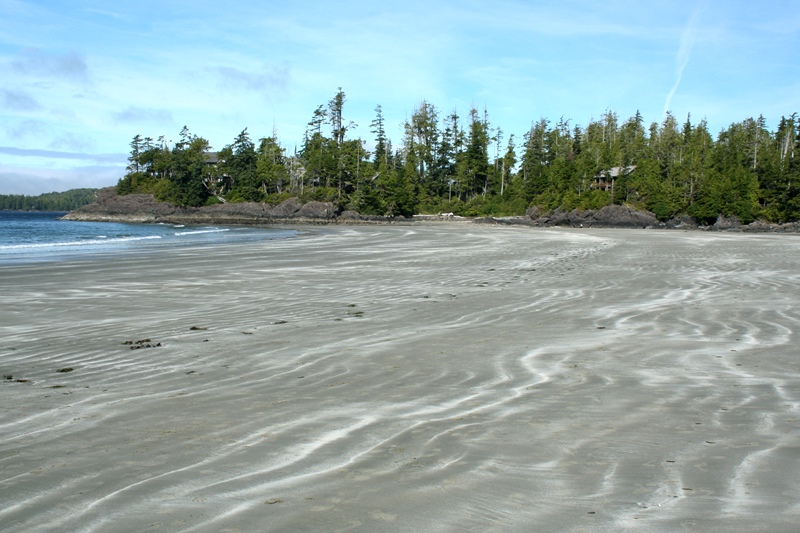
41	236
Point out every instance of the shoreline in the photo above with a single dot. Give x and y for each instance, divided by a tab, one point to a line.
143	208
395	377
358	220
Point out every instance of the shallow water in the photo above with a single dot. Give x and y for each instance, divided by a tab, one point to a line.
42	236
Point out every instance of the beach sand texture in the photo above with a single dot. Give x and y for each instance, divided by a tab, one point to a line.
441	377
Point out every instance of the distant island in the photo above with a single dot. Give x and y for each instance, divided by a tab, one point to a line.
51	201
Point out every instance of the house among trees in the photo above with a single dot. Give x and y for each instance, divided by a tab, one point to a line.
215	181
604	181
211	158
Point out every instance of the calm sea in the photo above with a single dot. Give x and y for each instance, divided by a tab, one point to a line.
36	236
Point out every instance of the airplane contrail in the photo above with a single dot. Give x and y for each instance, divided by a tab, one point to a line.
685	51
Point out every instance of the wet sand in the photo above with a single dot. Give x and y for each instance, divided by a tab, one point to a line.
445	377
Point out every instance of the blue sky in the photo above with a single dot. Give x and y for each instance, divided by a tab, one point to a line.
80	78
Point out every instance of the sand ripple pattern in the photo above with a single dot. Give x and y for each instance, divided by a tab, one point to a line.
423	378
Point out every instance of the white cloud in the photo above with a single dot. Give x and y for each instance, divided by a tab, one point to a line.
44	157
38	181
19	101
36	62
72	142
266	78
139	114
26	129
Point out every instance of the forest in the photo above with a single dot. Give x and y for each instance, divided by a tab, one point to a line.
51	201
468	166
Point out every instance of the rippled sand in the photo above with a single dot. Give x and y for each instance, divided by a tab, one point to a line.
443	377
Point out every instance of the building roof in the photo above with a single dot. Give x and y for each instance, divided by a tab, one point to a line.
615	172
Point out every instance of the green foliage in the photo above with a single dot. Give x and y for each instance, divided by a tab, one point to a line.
51	201
167	191
277	198
320	194
446	164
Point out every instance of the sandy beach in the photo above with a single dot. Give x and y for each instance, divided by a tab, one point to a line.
441	377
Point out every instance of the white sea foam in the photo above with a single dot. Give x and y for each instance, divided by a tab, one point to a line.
202	231
87	242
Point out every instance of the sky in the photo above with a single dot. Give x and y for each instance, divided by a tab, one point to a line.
80	78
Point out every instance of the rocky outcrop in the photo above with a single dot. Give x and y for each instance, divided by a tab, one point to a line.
317	210
108	206
617	216
287	208
133	207
610	216
684	222
727	223
733	224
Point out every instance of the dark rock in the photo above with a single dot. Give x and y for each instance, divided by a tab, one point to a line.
574	218
287	208
727	223
349	215
759	226
789	227
108	206
241	210
134	207
682	222
535	212
317	210
619	216
611	216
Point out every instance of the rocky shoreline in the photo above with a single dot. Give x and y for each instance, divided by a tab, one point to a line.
144	208
618	216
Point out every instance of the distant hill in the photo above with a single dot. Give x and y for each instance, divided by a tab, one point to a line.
51	201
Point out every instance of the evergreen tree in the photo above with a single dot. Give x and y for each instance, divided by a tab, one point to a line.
136	152
379	130
335	110
748	171
422	139
271	166
535	160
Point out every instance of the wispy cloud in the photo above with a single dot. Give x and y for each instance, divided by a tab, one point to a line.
106	13
19	101
687	41
55	154
266	78
33	129
72	142
34	61
139	114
